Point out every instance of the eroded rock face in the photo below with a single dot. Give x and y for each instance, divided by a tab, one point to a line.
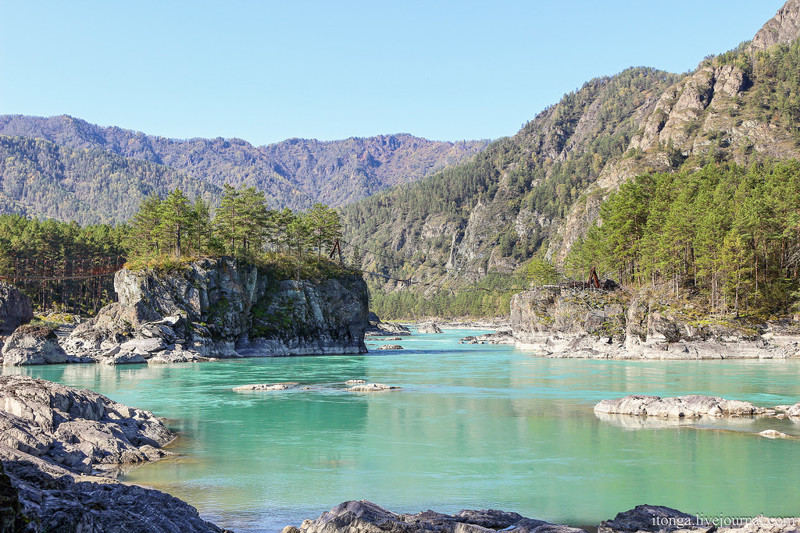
33	345
366	517
15	308
694	406
224	308
783	28
79	429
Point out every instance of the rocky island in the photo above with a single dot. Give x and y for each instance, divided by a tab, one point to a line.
210	308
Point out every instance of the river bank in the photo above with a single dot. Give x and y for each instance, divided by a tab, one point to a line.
397	448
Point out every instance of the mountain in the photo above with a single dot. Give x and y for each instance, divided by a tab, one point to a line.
540	190
294	173
89	186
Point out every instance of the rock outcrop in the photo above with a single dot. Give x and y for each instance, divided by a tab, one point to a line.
366	517
223	308
693	406
15	309
657	518
52	437
556	321
783	28
78	429
52	499
377	328
33	345
428	327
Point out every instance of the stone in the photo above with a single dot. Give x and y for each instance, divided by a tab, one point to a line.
33	345
390	347
372	387
784	27
354	381
52	499
794	410
267	387
653	518
15	308
366	517
774	434
693	406
78	429
124	358
428	327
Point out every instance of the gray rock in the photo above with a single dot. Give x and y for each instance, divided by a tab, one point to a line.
53	500
694	406
267	386
15	308
225	308
648	518
794	410
773	434
784	27
78	429
428	327
372	387
124	358
366	517
390	347
33	345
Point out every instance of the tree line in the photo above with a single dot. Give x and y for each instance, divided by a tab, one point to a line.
729	233
242	226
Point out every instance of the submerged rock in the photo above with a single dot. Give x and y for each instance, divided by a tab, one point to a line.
693	406
78	429
390	347
372	387
366	517
268	386
33	345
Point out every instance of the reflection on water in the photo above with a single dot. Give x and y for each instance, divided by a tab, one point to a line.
474	426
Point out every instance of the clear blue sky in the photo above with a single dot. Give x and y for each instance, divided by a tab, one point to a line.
265	71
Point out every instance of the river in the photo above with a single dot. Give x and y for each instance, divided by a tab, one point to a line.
474	426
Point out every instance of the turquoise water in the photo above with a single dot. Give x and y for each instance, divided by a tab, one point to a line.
474	426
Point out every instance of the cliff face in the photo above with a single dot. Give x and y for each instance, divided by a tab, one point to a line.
783	28
223	308
565	322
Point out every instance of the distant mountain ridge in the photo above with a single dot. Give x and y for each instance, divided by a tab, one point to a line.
295	173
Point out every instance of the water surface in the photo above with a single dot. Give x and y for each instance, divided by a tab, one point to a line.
474	426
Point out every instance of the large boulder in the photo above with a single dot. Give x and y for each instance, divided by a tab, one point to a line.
33	345
428	327
366	517
78	429
15	308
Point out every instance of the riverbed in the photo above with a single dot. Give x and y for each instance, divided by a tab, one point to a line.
473	426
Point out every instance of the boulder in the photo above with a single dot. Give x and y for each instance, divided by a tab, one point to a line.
15	308
366	517
376	328
693	406
33	345
651	518
428	327
78	429
774	434
390	347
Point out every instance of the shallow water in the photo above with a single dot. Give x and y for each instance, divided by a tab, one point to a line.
474	426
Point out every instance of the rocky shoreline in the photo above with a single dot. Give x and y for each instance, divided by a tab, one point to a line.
567	322
56	439
366	517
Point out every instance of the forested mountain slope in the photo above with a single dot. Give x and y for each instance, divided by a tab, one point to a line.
295	173
541	189
89	186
